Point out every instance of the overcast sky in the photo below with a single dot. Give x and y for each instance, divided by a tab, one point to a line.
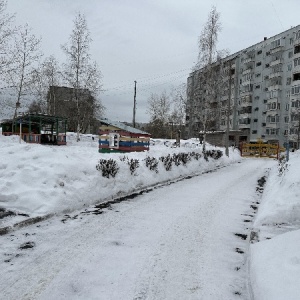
151	41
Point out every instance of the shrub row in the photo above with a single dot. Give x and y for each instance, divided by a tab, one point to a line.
109	167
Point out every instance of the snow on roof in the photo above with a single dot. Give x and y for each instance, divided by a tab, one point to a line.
123	126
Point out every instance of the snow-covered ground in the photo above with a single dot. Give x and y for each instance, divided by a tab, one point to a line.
38	180
275	259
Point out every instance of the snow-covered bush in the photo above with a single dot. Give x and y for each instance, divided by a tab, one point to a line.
108	167
167	161
195	155
215	154
133	165
152	163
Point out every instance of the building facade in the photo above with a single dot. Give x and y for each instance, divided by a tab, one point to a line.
260	91
61	101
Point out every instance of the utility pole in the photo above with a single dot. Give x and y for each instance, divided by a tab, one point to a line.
134	105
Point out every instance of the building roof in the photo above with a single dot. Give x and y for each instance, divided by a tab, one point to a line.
35	118
123	126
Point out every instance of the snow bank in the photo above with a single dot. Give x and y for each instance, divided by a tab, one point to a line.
281	198
275	259
275	268
39	179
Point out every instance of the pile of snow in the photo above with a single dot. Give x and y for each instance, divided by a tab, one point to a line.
275	259
281	199
38	179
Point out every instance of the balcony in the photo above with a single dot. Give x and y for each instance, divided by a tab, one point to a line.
245	103
277	49
272	111
244	126
248	60
275	75
247	71
295	110
247	82
275	86
246	93
276	62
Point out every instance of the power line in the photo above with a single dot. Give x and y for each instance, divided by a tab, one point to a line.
277	15
145	79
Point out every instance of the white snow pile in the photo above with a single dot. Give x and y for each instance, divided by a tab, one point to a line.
275	259
38	180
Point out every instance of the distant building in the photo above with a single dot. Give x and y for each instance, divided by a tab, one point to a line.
61	101
265	92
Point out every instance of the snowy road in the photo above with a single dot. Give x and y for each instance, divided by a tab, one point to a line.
176	242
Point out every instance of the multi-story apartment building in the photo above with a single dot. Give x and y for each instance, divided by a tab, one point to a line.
264	91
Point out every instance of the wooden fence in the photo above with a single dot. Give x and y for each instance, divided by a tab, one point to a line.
260	149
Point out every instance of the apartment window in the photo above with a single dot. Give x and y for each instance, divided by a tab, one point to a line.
245	121
267	65
255	120
268	53
291	41
273	119
272	94
258	75
289	67
297	35
288	81
297	62
296	103
273	105
256	108
286	119
290	54
295	90
296	76
256	97
294	131
258	64
297	49
254	131
287	107
259	52
257	86
275	44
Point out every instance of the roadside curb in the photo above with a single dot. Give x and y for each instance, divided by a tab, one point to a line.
24	223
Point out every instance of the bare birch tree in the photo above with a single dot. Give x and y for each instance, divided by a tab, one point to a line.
47	74
81	74
6	34
23	57
159	107
179	103
207	91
